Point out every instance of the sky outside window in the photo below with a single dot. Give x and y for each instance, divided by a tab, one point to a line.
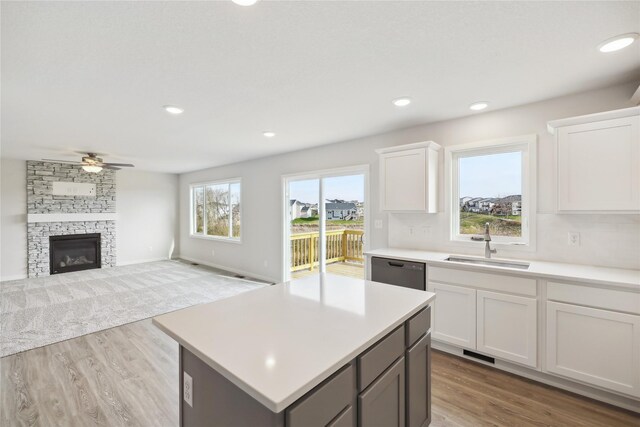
493	175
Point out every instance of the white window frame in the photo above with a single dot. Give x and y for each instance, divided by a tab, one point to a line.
322	212
192	211
527	145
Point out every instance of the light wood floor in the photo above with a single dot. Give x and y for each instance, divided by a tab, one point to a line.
348	269
128	376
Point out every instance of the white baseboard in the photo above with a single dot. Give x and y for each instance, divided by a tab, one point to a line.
230	269
14	277
141	261
549	379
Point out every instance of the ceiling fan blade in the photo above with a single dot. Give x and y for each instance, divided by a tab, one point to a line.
62	161
107	166
124	165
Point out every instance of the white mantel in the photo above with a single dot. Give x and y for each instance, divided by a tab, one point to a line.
69	217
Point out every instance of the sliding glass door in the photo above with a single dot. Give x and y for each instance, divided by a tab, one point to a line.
325	219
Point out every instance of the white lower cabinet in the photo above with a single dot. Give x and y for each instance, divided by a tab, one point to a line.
507	327
598	347
454	315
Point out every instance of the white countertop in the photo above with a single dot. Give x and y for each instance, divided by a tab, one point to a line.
277	343
617	277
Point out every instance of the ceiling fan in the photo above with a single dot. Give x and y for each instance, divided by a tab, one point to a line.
92	163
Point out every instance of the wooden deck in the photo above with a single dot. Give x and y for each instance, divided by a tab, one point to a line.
349	269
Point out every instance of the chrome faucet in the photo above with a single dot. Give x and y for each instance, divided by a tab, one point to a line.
487	246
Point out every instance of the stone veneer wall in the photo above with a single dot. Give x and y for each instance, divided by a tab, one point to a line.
40	200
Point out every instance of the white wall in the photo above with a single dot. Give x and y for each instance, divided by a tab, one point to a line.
147	225
13	219
146	229
611	240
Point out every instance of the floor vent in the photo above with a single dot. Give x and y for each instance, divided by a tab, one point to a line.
238	276
194	263
479	356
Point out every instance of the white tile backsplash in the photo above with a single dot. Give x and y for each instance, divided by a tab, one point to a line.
605	240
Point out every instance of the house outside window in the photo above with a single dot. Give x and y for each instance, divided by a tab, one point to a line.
216	210
492	182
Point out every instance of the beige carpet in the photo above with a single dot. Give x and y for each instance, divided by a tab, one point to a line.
44	310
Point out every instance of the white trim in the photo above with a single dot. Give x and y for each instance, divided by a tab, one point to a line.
363	169
589	118
395	148
203	235
71	217
142	261
528	145
229	269
14	277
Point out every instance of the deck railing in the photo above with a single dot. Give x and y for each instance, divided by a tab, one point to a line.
342	245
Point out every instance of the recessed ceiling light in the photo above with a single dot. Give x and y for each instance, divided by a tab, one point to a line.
402	102
477	106
245	2
172	109
617	42
269	134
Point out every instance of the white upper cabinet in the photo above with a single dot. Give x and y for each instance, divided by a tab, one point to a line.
409	177
598	162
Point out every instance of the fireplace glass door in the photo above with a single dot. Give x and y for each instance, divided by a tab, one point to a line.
74	252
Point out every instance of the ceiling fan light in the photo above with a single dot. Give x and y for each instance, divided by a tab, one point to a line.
92	168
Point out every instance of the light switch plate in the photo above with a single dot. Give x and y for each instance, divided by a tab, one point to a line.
187	390
377	224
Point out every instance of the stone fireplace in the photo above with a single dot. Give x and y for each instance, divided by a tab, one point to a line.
53	215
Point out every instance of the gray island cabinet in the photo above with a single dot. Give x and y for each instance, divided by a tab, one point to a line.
319	351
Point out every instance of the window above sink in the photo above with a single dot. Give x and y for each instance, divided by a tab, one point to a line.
492	182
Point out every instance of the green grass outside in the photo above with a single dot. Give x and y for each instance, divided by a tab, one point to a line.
315	220
473	223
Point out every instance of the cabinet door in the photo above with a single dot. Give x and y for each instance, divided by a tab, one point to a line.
454	315
404	177
595	346
507	327
418	380
383	402
599	166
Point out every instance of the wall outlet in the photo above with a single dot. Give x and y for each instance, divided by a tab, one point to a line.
574	238
213	252
266	263
377	224
187	389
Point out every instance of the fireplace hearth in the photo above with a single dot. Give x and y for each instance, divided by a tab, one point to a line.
74	252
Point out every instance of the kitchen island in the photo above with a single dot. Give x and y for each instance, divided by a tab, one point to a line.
322	350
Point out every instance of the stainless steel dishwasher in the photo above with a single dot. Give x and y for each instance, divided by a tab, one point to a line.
398	272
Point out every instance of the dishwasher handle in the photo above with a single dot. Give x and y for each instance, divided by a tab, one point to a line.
396	264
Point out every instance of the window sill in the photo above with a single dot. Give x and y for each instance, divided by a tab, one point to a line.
215	238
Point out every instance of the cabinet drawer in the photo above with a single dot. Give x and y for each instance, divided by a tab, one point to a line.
325	402
496	282
610	299
378	358
347	418
417	326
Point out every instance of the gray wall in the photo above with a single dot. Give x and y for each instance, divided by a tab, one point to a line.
13	219
147	226
260	252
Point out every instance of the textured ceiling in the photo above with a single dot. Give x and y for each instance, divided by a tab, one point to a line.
94	75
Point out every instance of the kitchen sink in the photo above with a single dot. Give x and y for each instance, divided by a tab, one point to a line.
490	262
